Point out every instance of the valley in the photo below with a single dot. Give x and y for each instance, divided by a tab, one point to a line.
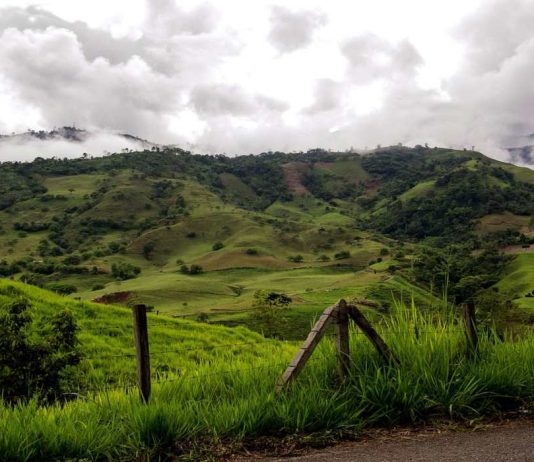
316	226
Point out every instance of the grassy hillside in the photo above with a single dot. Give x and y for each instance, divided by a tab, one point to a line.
304	224
216	389
106	335
519	280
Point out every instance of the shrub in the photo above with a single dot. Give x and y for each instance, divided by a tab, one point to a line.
217	246
61	288
72	260
123	271
148	248
33	357
203	317
296	258
191	235
324	258
98	287
195	269
251	252
114	247
342	255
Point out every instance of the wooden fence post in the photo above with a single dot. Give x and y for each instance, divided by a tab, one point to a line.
342	340
311	342
143	354
362	322
470	329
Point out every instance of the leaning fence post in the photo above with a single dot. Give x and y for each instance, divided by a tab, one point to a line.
470	329
342	340
366	327
314	337
141	347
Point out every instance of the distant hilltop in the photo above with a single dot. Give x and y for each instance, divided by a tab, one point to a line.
71	134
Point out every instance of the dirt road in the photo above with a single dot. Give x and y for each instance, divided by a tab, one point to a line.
511	443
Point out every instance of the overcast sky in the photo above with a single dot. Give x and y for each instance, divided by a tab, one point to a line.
240	76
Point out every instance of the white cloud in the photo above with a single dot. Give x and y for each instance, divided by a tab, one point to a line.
238	76
291	30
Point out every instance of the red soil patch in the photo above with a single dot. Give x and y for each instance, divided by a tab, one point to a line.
292	174
114	298
371	187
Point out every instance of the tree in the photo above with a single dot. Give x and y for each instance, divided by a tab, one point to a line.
148	248
195	269
34	357
123	271
217	246
268	306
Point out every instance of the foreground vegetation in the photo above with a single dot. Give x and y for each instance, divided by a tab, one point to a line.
261	244
207	396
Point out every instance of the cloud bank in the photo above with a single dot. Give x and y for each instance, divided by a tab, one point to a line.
283	79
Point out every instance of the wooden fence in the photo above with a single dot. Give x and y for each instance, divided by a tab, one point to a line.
341	314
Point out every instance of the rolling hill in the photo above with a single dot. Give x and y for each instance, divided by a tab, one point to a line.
307	224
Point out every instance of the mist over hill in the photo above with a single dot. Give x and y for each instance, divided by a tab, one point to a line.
67	142
71	142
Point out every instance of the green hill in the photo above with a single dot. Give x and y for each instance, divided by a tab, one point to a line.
519	280
304	224
106	338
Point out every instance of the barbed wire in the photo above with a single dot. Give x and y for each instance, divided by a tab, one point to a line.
183	378
182	350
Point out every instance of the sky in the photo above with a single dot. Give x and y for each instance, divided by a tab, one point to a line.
239	77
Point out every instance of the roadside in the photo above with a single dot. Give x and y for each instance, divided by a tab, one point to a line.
506	441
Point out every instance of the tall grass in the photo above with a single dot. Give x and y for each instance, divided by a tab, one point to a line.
234	397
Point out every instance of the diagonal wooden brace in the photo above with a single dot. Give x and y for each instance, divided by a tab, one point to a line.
309	345
381	347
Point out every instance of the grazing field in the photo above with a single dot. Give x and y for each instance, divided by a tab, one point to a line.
208	400
519	279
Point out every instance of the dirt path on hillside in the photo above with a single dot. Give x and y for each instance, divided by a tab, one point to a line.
511	442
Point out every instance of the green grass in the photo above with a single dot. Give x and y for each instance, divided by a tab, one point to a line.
106	335
519	280
233	396
418	190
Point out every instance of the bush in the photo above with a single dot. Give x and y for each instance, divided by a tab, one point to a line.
192	270
148	248
123	271
34	357
251	252
296	258
217	246
342	255
61	288
72	260
203	317
98	287
191	235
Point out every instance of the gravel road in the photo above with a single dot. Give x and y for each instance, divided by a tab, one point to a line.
511	442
